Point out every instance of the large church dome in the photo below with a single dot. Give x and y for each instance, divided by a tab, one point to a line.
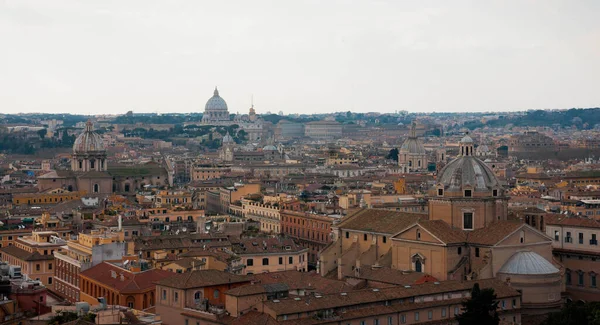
216	103
468	171
88	141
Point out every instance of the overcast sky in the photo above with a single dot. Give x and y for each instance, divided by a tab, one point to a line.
298	56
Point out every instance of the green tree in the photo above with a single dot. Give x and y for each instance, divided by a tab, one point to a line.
393	154
42	133
480	309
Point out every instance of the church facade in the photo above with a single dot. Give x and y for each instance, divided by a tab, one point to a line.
91	174
464	236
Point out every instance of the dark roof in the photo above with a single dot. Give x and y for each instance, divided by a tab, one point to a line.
253	246
200	279
366	296
444	231
381	221
25	255
494	232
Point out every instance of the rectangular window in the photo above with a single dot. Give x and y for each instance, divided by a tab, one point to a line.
390	320
49	280
376	322
403	319
365	237
468	220
581	238
37	267
476	251
503	304
250	262
176	296
580	278
440	192
50	266
281	261
347	234
593	241
593	280
494	192
416	315
514	303
430	314
164	295
568	278
444	312
265	261
468	193
384	239
459	250
556	235
291	260
456	311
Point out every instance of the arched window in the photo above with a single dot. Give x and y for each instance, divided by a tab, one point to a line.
80	164
418	266
96	188
197	297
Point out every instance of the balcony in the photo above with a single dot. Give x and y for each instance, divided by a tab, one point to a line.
593	242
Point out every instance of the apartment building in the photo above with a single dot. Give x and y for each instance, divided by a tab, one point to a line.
311	231
261	255
267	214
575	245
35	255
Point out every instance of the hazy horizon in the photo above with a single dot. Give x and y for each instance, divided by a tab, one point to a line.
110	57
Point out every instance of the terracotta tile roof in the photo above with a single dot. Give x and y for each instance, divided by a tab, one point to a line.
368	296
132	282
187	262
25	255
444	231
493	233
199	279
391	276
252	246
573	221
381	221
254	318
199	252
303	280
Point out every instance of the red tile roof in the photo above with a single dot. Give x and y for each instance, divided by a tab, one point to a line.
131	283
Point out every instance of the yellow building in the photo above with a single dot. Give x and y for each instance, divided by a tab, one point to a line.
173	198
34	254
54	196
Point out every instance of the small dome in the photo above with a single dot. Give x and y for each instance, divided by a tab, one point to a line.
269	147
526	262
468	170
466	139
483	148
88	141
216	103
